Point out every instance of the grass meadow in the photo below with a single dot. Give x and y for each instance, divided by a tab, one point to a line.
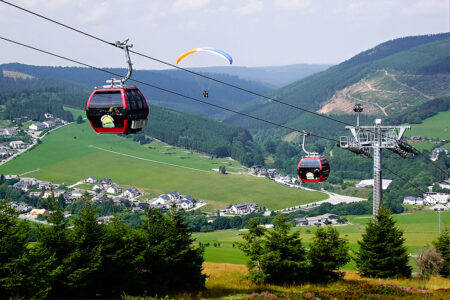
75	152
420	229
427	130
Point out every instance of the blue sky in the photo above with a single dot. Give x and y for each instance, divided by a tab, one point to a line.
254	32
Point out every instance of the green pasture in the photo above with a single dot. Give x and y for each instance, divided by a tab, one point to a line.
74	152
420	229
436	127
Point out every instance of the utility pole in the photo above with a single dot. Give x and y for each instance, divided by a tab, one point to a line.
376	137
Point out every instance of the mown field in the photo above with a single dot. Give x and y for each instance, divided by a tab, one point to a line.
420	229
436	127
74	152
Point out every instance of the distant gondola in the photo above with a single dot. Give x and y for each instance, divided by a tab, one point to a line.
313	169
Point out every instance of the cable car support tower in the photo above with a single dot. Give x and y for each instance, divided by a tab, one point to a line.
376	137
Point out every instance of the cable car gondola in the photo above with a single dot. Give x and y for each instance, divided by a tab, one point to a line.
117	108
313	167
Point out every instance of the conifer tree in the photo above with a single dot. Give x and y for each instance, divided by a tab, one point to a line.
382	253
253	247
327	253
442	245
284	260
24	271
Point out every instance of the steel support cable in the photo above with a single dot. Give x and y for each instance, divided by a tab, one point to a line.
178	67
169	91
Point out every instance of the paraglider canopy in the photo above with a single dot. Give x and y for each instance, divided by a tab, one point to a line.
215	51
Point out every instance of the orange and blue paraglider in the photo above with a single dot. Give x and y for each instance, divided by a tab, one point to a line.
215	51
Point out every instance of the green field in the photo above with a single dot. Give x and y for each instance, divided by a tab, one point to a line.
74	152
419	230
436	127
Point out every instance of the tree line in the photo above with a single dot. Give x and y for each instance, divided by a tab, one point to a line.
92	260
278	256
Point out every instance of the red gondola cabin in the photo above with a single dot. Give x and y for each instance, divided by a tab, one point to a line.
313	169
117	110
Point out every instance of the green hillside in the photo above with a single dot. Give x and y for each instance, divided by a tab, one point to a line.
74	152
386	79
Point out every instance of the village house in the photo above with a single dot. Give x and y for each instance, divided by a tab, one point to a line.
243	208
11	131
21	186
435	198
5	153
131	193
37	126
100	198
91	180
97	186
36	212
161	200
48	116
106	183
49	124
21	207
105	219
55	193
114	189
29	180
16	144
445	184
413	200
186	204
318	220
174	196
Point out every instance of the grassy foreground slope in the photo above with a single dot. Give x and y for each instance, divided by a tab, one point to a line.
74	152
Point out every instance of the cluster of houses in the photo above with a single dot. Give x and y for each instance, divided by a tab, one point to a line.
38	126
103	190
435	199
275	175
9	148
166	201
325	219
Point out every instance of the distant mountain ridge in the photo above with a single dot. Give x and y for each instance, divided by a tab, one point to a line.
386	79
272	76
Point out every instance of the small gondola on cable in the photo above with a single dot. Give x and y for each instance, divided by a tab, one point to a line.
312	167
116	108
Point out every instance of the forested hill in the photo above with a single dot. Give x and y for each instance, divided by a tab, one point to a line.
386	79
174	80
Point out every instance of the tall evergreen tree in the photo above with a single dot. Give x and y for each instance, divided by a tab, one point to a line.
284	260
382	252
327	253
253	247
442	245
24	271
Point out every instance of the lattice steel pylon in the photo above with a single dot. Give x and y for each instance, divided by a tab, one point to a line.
376	137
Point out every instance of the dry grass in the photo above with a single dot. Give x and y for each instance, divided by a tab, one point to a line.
227	281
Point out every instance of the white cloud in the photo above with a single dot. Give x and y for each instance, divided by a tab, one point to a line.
293	4
251	7
186	5
427	7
